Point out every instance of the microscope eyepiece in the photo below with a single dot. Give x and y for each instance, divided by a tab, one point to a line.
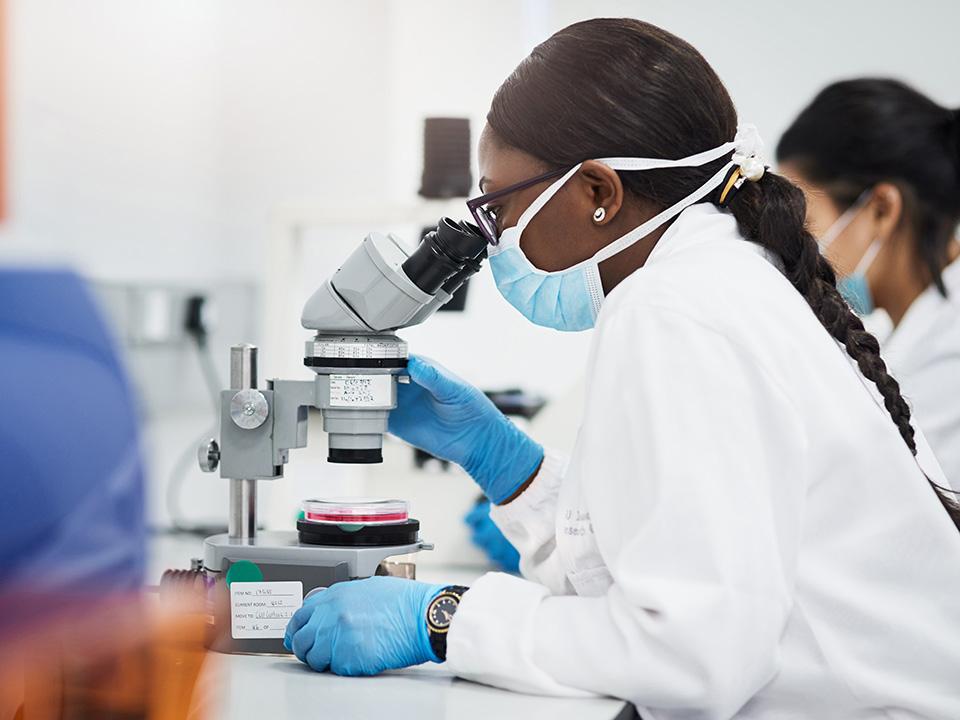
444	253
461	239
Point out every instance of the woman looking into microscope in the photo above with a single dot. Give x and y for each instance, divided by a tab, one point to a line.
749	524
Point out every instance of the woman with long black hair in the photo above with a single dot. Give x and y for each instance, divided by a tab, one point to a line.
748	525
880	165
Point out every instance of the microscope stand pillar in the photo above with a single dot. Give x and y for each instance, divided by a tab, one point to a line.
242	522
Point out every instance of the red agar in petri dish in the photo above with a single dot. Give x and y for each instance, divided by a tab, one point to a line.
355	511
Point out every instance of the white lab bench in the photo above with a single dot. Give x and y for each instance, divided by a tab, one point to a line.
250	687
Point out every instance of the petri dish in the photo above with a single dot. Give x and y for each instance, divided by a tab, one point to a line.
355	511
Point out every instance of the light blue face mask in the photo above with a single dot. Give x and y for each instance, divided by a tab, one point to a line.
856	291
570	299
854	287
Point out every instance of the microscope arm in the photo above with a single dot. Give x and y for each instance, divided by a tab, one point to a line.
258	428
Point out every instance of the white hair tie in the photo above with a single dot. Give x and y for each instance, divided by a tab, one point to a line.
748	152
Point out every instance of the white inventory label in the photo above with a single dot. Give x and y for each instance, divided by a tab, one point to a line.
360	391
262	609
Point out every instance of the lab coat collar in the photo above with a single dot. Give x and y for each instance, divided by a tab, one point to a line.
697	223
922	314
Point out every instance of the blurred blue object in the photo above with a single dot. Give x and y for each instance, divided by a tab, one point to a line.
72	507
487	536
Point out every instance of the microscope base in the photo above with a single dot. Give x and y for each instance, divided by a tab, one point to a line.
279	557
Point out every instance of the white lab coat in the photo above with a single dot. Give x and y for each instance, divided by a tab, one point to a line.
924	354
740	530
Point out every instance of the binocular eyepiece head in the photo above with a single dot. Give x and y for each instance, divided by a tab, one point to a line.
379	289
452	252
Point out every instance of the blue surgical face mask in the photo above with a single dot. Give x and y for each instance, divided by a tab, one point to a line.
856	291
570	299
854	287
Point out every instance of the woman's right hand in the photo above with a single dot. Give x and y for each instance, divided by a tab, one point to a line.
450	419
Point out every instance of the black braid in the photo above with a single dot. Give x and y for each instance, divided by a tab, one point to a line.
772	213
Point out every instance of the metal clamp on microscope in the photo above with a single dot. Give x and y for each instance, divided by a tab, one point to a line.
358	360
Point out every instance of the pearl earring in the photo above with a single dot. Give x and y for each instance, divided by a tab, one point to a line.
599	214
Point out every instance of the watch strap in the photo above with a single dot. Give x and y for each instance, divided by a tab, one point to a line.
438	640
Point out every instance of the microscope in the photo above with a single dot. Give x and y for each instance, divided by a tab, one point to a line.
252	581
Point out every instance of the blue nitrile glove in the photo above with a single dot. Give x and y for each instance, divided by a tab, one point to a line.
440	413
487	536
363	627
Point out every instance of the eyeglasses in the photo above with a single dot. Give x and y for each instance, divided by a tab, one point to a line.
487	217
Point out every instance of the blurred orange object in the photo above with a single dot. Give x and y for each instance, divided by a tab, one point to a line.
79	658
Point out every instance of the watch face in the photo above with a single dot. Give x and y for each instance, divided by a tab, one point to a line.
441	611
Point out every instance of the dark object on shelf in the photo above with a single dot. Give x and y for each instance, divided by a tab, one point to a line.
446	158
516	402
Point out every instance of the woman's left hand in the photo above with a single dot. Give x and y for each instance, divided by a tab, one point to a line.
489	538
363	627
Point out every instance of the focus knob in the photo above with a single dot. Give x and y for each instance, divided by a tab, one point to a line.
208	455
249	409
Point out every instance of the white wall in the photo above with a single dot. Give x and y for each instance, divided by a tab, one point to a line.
774	56
154	139
305	111
114	159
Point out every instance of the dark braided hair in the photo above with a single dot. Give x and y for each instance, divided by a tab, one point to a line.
621	87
